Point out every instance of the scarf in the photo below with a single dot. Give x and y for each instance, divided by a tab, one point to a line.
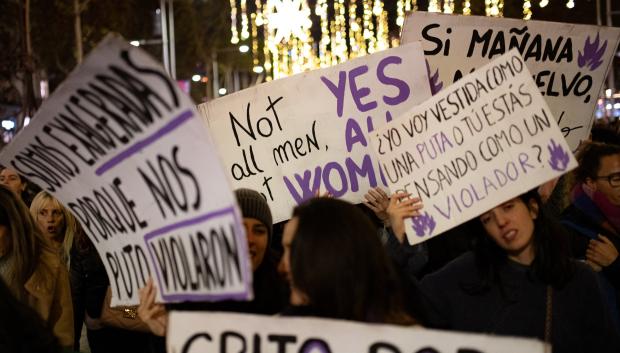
597	207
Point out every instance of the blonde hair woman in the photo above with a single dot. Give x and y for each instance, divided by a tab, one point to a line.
55	222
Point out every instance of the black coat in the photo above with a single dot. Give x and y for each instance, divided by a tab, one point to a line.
579	322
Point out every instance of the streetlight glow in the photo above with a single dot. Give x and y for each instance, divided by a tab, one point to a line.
222	91
135	43
258	69
244	48
196	78
8	124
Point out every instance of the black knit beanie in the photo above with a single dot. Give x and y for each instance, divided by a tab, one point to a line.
254	205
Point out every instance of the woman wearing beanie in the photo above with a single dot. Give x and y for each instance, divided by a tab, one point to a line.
270	292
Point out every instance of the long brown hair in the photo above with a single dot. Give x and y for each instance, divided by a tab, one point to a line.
25	240
338	262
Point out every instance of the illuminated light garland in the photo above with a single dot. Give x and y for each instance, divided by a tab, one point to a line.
527	10
467	7
321	11
369	27
267	49
245	34
234	39
400	13
339	40
434	6
355	30
448	6
259	19
411	5
255	59
382	26
346	29
494	8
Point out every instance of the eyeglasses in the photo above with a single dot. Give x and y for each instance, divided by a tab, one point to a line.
613	179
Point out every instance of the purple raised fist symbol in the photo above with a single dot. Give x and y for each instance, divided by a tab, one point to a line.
423	224
436	85
559	158
592	53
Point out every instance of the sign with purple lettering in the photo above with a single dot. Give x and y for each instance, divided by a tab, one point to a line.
194	332
125	150
569	62
292	137
483	140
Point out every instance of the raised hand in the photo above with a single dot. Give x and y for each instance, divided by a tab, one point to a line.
378	201
154	315
401	206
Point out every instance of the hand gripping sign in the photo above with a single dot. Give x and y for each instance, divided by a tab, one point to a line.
485	139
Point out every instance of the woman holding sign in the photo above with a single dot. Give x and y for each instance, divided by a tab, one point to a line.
32	269
520	281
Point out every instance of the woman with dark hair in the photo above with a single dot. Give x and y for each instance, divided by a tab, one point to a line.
520	281
18	184
337	266
12	180
32	269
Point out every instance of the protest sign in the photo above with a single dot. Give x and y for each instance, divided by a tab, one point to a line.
121	147
291	137
483	140
569	62
238	333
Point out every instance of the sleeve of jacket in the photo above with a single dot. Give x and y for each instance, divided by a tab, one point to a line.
612	273
410	259
61	312
600	334
77	294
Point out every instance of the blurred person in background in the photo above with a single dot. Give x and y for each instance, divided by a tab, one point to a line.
31	268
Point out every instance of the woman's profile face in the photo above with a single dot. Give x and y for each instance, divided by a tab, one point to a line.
12	180
258	239
511	226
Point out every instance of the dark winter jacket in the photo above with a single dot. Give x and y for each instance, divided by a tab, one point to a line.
580	320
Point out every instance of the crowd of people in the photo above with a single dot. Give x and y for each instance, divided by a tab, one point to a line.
524	268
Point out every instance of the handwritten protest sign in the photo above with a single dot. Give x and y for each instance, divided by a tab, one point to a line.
227	333
291	137
569	62
483	140
126	152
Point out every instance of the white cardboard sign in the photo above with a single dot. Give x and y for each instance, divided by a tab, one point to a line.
569	62
228	333
483	140
126	151
293	136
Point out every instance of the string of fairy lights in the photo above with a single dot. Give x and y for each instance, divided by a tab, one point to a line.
284	41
